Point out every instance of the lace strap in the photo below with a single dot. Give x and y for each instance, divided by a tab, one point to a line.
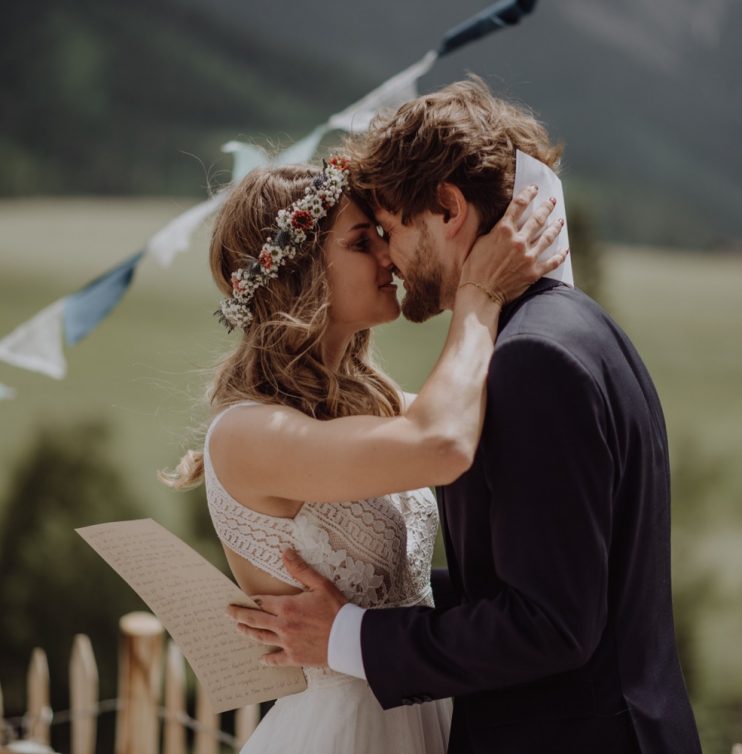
218	417
258	538
247	533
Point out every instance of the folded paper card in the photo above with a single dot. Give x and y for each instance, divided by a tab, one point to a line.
190	597
528	171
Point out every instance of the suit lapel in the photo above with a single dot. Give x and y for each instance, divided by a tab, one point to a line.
508	311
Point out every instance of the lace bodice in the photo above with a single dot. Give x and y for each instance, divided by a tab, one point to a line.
377	551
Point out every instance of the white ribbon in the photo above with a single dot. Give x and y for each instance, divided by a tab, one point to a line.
37	343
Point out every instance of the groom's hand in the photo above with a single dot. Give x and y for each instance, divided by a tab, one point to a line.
299	625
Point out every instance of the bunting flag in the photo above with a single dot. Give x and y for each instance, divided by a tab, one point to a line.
303	149
37	344
6	393
175	237
86	308
246	158
497	16
392	93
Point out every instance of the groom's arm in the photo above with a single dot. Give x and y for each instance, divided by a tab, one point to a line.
550	473
344	645
444	594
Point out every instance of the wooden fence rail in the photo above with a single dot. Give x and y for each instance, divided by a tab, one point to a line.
146	674
138	703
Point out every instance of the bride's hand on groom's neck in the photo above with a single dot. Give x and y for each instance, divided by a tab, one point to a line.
506	261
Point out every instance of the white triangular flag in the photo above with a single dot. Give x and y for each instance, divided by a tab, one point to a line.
246	158
7	393
529	170
303	149
175	237
392	93
37	343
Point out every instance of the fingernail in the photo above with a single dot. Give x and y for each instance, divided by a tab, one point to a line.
258	601
552	200
290	554
533	187
561	221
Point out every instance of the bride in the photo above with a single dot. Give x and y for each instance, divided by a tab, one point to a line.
313	447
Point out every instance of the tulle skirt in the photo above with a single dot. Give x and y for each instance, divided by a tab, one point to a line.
343	717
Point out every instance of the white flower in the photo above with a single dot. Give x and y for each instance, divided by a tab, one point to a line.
320	195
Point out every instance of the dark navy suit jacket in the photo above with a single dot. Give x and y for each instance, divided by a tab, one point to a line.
554	632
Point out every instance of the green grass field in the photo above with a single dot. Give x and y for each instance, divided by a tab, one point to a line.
145	367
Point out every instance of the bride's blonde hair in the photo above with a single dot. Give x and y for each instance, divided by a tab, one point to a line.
278	358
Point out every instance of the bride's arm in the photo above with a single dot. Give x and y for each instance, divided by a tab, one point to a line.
276	451
284	453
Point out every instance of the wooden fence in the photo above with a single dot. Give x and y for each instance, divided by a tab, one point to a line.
151	694
144	699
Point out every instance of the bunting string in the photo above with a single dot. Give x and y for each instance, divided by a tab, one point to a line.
37	344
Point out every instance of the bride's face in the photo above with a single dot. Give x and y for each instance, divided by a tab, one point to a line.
359	271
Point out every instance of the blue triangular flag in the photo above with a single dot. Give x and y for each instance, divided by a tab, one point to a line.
84	310
497	16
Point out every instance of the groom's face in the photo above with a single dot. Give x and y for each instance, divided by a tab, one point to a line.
416	251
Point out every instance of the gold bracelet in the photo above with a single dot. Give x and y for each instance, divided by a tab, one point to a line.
494	296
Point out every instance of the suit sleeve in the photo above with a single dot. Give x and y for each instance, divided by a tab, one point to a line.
444	595
549	473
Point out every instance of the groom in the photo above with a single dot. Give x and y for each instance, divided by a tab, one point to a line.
553	626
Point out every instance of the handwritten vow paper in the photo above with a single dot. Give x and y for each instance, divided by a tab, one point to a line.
190	597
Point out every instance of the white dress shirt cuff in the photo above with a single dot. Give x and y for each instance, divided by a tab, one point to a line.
344	645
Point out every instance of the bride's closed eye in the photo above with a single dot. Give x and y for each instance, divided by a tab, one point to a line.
362	243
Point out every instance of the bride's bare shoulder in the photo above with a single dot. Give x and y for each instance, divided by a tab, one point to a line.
243	420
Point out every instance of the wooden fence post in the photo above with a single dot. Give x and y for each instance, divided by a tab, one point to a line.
2	720
175	705
208	721
140	674
83	696
38	710
246	720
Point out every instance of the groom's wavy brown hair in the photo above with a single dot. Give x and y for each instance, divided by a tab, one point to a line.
461	134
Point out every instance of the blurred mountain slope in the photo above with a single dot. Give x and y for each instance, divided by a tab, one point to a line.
106	97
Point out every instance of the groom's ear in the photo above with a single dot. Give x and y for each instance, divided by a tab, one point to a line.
455	208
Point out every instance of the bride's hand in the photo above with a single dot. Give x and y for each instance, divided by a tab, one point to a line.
505	261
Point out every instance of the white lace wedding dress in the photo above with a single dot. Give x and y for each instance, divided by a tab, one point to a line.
378	553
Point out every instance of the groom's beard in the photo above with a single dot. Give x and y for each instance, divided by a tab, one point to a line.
424	281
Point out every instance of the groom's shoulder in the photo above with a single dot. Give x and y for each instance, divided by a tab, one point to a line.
559	314
560	324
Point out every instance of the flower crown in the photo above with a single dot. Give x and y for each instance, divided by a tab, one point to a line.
291	228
